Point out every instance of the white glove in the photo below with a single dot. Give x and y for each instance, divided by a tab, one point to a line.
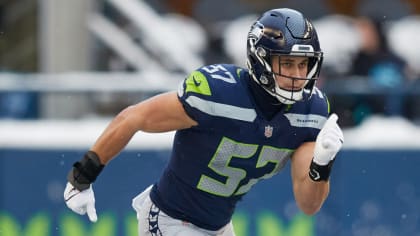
81	202
329	141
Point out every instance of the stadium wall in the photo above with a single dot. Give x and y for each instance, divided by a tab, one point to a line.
374	191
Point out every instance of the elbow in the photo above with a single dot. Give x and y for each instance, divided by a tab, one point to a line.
310	200
128	118
309	205
310	209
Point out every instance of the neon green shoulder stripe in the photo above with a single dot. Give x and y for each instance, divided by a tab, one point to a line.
197	83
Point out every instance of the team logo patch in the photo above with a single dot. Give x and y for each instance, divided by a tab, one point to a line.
268	131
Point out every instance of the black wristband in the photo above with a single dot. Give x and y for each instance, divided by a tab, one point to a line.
85	171
320	173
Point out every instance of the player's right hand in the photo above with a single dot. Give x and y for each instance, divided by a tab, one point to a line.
81	202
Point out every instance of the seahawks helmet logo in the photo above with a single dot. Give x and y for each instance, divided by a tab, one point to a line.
258	31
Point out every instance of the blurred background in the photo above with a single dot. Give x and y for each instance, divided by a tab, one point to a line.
101	50
67	67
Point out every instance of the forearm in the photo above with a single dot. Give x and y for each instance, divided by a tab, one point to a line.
114	138
109	144
311	185
310	195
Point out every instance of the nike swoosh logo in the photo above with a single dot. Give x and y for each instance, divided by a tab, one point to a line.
314	174
196	82
71	196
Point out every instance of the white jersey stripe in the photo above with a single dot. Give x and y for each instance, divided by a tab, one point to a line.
222	110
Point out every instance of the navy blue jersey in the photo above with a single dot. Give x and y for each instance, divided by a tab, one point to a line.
233	146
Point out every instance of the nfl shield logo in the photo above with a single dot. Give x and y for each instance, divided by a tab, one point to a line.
268	132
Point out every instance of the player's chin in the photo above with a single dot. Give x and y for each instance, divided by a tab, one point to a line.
292	89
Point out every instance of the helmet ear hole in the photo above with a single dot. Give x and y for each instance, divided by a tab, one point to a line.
267	81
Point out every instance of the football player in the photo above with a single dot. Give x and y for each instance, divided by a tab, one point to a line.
234	127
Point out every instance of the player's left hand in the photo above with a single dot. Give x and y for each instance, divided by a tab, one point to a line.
81	202
329	141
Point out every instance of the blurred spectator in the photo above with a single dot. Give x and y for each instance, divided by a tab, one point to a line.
375	58
404	35
384	70
343	7
182	7
415	6
339	42
338	36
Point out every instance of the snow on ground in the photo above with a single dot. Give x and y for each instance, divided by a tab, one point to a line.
375	133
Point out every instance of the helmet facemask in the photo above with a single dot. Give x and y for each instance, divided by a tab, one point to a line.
268	76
